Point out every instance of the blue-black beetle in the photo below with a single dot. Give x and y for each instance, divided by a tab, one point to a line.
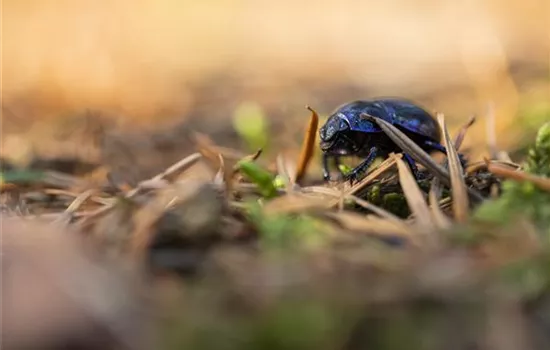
347	133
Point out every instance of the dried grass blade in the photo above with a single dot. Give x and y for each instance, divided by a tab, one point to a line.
408	146
175	169
207	144
208	150
341	200
411	148
321	190
542	183
229	153
436	186
221	176
254	156
414	196
291	170
440	219
178	167
58	192
458	186
292	203
284	171
482	164
307	146
460	137
79	201
61	180
142	234
383	167
371	225
75	205
462	133
248	158
363	203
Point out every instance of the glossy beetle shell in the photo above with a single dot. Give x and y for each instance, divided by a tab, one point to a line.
401	113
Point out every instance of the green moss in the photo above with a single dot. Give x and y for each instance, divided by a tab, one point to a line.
523	198
288	231
396	203
374	195
538	161
387	197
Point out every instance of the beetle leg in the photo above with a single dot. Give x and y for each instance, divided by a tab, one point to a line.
438	147
353	175
326	172
412	164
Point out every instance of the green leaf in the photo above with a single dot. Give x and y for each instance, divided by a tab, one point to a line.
260	176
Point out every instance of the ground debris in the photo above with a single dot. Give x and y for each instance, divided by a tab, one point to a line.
258	255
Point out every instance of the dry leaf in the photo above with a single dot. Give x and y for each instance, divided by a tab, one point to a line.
308	145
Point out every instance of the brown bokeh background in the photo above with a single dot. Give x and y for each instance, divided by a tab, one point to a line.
172	60
123	82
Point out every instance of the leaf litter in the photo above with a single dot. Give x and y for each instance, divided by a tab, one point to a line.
218	200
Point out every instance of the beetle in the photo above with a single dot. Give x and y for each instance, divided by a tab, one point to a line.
346	133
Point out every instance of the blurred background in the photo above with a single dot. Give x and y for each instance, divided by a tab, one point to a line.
153	63
123	83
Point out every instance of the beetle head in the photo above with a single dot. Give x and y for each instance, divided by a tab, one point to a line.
335	136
